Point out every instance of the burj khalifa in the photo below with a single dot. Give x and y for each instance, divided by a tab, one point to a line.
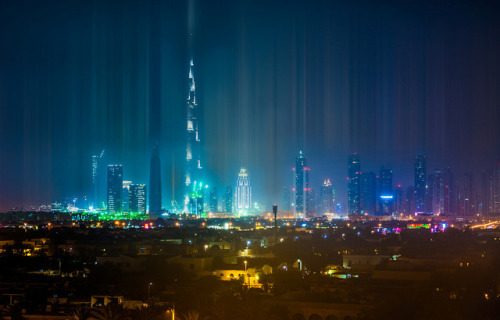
193	200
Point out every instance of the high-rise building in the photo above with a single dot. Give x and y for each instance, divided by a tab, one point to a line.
485	204
214	200
126	195
302	190
327	197
368	198
385	192
496	189
228	200
287	200
115	188
243	193
353	184
467	196
420	183
443	198
399	201
137	198
155	182
95	192
193	148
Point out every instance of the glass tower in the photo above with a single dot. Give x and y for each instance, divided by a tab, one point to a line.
115	188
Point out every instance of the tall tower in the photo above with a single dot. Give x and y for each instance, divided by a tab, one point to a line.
155	182
302	190
193	161
243	193
327	198
95	190
420	183
353	184
385	193
137	198
115	188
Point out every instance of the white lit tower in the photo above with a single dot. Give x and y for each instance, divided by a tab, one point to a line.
193	161
243	193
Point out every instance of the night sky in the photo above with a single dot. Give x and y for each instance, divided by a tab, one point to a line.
385	79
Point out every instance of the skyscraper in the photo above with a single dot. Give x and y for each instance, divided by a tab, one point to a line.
115	188
228	200
496	189
443	199
155	182
327	198
385	192
137	198
302	190
243	193
95	194
214	200
420	183
126	195
353	184
193	158
368	197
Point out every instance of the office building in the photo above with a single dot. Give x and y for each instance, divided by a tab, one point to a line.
327	197
353	184
137	202
302	189
115	188
420	183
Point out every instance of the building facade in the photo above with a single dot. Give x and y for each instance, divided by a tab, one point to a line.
243	193
420	183
302	190
115	188
193	149
353	184
137	198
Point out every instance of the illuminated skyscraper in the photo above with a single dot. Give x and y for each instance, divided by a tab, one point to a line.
95	194
420	183
496	189
302	190
353	184
115	188
155	182
385	192
214	200
193	159
327	198
126	195
137	198
228	200
243	193
443	199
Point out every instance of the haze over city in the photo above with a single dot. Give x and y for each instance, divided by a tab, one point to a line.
386	80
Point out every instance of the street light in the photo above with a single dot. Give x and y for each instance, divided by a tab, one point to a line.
149	290
246	265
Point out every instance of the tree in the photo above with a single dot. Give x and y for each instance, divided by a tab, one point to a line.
112	311
79	313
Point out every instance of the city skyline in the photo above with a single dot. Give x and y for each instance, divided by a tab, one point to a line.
279	81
